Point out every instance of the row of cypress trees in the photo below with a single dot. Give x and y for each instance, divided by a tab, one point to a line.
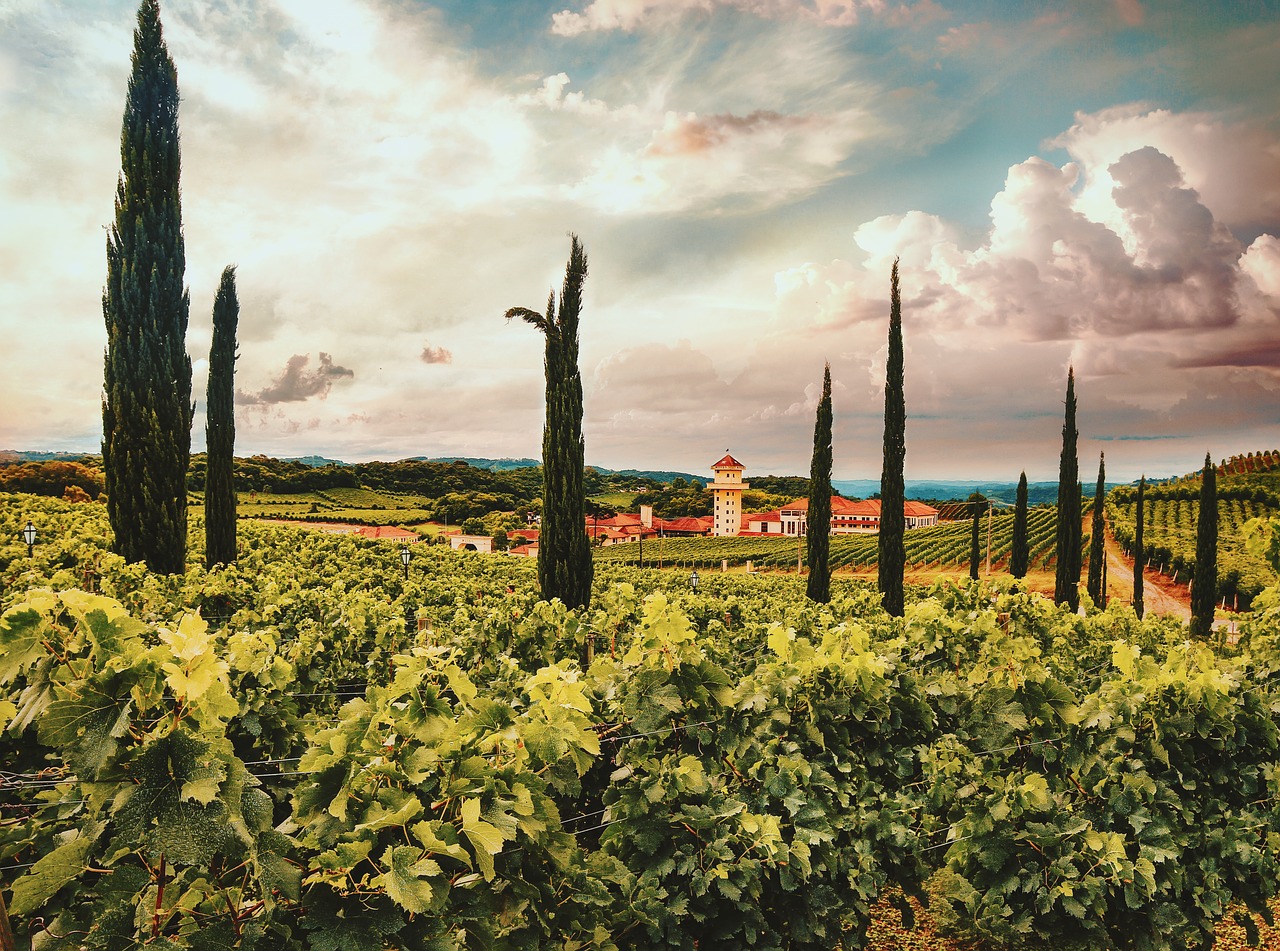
147	408
892	552
146	402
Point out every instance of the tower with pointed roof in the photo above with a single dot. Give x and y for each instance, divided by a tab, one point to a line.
727	492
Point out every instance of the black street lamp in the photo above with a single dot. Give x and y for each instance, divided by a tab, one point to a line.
405	556
693	581
29	536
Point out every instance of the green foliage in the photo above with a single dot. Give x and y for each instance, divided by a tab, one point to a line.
1019	553
220	429
54	478
1204	583
1069	530
818	538
146	407
1097	536
977	508
1169	537
564	551
330	756
891	557
1139	548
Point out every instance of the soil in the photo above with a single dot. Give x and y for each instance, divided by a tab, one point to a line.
1160	594
887	934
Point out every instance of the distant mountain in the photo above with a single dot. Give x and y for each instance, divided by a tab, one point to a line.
315	462
658	475
503	465
479	462
1037	492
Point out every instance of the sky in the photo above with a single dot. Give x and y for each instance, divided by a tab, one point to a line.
1092	185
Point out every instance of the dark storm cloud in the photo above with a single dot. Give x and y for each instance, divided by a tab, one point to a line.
296	383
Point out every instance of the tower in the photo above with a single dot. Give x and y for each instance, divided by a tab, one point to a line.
727	491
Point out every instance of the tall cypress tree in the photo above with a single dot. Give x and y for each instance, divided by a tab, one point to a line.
976	506
892	552
819	531
146	405
1204	583
1067	575
220	428
564	551
1097	537
1020	555
1139	550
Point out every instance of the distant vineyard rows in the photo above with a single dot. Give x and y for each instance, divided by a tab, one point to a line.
1169	538
941	546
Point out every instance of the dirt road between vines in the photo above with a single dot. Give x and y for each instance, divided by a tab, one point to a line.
1158	595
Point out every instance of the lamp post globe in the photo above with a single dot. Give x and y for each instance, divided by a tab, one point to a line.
29	536
405	556
693	581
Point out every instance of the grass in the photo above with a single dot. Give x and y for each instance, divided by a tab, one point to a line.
618	501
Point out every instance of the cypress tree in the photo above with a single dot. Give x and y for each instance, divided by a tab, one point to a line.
1139	550
892	552
976	505
1067	575
1204	583
220	428
564	551
146	405
819	531
1020	554
1097	537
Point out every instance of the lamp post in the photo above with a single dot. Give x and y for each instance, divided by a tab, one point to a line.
693	581
405	555
29	536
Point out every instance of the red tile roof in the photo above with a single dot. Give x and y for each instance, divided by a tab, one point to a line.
914	509
861	508
685	524
728	462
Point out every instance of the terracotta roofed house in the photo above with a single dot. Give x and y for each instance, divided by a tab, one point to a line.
847	516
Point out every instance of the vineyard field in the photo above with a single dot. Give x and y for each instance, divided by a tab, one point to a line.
942	546
316	749
1169	537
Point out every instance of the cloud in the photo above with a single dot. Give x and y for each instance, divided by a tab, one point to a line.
628	15
1047	271
694	162
1166	317
1234	167
691	135
1262	264
551	95
432	354
1131	12
296	383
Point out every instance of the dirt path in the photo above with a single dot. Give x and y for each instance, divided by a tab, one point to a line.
1158	595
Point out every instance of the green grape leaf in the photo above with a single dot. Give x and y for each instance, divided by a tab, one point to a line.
440	838
407	877
393	807
88	724
485	838
205	781
64	864
23	630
